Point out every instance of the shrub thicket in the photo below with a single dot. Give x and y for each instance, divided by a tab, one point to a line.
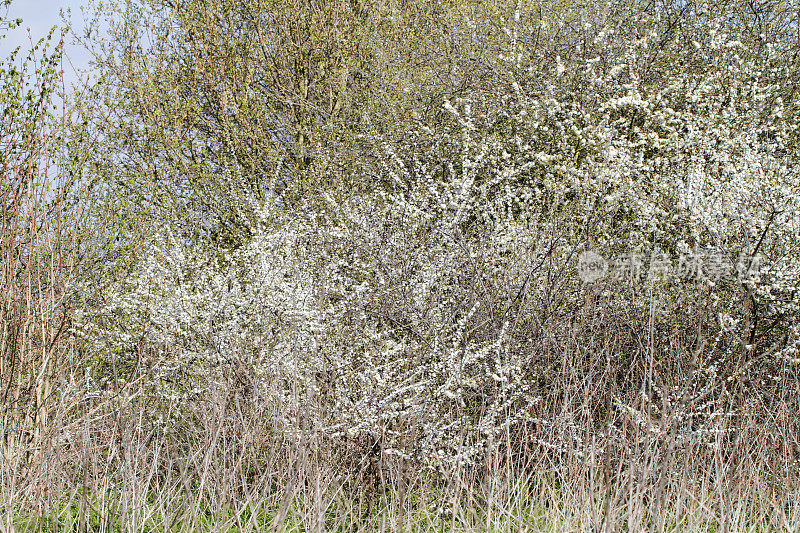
408	315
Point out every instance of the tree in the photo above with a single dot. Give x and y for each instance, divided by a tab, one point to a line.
212	106
38	259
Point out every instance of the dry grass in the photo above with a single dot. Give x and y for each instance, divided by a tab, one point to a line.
101	464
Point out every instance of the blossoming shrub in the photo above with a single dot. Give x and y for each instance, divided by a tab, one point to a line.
426	319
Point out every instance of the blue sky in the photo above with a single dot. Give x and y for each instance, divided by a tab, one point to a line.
39	16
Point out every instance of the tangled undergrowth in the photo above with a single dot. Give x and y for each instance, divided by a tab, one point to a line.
431	352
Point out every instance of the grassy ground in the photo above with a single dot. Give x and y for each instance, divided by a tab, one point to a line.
105	471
